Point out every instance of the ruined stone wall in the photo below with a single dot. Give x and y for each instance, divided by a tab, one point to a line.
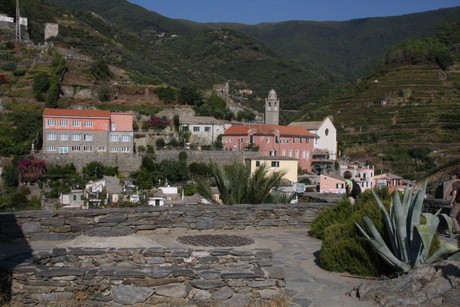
70	223
152	276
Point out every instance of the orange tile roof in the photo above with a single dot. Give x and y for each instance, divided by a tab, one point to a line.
75	113
268	130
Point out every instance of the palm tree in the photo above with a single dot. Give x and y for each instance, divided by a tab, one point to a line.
237	186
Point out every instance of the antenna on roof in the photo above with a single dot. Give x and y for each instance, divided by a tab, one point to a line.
18	23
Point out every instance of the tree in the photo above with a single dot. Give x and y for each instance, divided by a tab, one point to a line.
31	169
166	94
103	93
100	70
96	170
41	85
236	185
191	96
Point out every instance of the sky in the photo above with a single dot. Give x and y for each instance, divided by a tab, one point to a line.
256	11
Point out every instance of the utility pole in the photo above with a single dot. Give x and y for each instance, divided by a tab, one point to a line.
18	23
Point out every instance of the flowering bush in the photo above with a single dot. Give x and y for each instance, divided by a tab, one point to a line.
158	122
31	169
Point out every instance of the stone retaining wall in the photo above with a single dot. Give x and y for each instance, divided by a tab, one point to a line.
96	277
67	224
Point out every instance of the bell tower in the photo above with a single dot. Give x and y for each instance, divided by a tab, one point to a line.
272	109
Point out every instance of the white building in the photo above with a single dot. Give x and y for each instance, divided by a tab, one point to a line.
327	135
204	129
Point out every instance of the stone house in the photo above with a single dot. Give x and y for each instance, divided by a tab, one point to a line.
272	140
87	131
74	199
204	130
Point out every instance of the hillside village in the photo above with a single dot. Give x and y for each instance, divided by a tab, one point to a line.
81	134
119	188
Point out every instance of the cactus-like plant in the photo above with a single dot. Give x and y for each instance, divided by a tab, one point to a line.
409	240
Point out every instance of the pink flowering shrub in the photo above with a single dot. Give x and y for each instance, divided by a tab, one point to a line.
31	169
158	122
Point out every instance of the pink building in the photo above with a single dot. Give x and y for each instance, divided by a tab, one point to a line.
331	184
272	140
73	131
390	181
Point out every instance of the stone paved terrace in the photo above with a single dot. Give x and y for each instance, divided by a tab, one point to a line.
293	250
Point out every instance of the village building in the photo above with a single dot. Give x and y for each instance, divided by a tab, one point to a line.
331	183
363	175
325	147
87	131
277	164
390	181
271	140
204	130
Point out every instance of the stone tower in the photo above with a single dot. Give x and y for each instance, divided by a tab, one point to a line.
272	109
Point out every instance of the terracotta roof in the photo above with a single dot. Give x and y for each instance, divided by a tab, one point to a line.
267	130
205	120
75	113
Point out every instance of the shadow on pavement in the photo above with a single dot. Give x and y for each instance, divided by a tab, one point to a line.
14	250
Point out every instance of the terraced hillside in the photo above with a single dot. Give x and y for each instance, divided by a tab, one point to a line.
402	119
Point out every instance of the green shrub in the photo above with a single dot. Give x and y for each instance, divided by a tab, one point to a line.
343	248
19	72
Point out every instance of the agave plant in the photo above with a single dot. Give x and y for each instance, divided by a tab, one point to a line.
409	240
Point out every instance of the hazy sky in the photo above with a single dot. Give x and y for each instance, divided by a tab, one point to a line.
255	11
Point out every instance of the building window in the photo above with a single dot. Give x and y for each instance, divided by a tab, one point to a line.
63	149
303	154
112	126
114	138
251	139
307	155
51	148
76	137
76	148
290	153
268	140
308	140
196	129
277	139
272	153
326	132
207	129
275	163
76	123
241	140
125	149
52	136
257	163
63	122
339	186
88	137
283	152
87	148
64	137
88	123
297	154
51	122
293	139
113	149
300	140
101	148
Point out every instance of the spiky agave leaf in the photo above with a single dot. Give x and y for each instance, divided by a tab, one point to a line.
445	249
382	249
415	211
387	221
399	218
